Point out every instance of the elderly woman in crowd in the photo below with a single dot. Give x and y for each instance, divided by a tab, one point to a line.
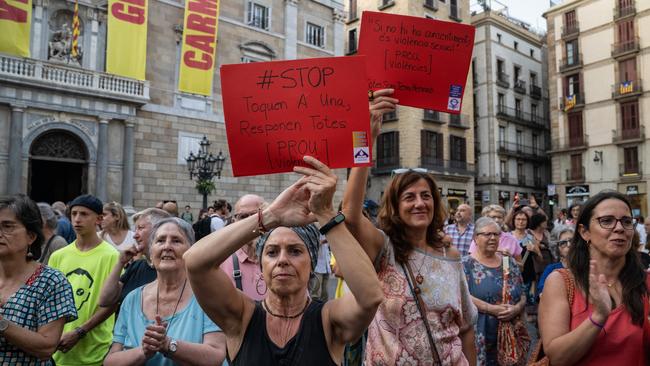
161	323
604	324
484	270
287	327
115	227
35	300
508	244
51	241
428	315
562	236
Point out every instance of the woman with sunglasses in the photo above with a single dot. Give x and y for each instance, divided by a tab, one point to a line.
427	317
604	324
563	236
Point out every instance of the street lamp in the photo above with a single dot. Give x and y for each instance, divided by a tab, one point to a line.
204	166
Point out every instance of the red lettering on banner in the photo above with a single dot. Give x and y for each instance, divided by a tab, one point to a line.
8	12
206	7
201	24
204	64
134	13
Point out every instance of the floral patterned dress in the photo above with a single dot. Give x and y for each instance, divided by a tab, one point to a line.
486	283
397	335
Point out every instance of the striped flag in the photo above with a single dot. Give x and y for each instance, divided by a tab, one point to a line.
74	52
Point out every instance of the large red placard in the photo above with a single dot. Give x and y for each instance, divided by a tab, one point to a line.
425	60
277	112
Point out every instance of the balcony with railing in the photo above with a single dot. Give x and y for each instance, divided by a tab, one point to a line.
570	29
621	12
522	151
572	102
628	135
431	4
571	143
520	87
630	171
575	175
537	181
385	165
625	47
459	121
627	89
429	115
50	75
535	91
447	166
571	63
520	117
521	179
505	178
502	80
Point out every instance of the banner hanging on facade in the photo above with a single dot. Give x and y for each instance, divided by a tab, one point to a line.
126	50
199	46
15	25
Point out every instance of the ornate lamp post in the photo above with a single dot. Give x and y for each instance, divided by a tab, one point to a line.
204	166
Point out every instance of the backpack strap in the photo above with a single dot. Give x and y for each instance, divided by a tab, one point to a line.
236	273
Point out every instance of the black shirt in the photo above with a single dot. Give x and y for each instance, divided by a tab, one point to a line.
307	347
137	274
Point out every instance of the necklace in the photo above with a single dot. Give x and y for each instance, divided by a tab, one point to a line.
175	307
266	307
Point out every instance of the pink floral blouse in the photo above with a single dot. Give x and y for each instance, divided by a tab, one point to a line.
397	335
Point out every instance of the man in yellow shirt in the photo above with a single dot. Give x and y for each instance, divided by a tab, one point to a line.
86	263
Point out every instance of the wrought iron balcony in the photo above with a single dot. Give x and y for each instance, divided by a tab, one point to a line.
572	143
386	165
55	76
535	92
537	181
628	135
521	117
520	87
626	89
459	121
447	166
572	102
522	151
502	80
630	171
505	178
571	29
521	179
625	47
430	115
571	63
624	11
575	175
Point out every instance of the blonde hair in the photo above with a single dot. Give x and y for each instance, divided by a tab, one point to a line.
121	221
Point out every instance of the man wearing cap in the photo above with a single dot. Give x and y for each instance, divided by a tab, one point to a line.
86	262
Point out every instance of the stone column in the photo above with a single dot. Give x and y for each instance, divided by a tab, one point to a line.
102	159
94	36
127	167
37	33
338	16
15	176
290	29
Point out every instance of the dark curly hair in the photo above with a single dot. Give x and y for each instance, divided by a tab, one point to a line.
632	275
390	222
28	214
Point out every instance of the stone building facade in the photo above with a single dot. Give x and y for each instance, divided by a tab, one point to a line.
599	63
67	127
511	109
415	138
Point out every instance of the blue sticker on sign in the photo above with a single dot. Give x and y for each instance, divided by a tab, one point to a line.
456	91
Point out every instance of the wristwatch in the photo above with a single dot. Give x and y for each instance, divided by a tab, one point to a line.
4	324
339	218
173	346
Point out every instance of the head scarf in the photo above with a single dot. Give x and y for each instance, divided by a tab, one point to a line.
308	234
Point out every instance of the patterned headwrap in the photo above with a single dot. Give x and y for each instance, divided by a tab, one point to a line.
309	235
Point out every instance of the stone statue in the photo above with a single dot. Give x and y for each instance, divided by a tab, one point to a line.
60	47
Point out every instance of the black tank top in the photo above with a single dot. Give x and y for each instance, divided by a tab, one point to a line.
307	347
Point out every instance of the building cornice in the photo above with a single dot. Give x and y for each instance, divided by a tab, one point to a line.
493	18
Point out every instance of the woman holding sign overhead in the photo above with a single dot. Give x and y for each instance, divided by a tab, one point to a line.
427	316
287	327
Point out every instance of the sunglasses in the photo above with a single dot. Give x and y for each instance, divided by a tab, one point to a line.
406	170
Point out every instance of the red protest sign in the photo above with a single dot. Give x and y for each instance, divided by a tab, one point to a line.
426	61
278	112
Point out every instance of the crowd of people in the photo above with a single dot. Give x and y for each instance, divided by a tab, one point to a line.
80	285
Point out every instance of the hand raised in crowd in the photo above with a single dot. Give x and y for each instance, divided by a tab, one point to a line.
127	255
68	340
155	338
599	293
320	182
380	103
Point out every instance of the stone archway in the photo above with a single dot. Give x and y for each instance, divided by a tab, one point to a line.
58	167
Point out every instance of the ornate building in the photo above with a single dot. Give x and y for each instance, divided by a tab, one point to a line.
67	127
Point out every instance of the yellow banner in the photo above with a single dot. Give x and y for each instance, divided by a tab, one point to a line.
126	49
199	46
15	25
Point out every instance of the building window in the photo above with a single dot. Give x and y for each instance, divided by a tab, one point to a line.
533	110
571	48
457	148
572	85
576	132
431	115
315	35
576	167
518	110
352	40
532	53
535	143
502	134
570	21
352	10
626	31
388	150
503	166
533	79
258	15
521	177
630	119
537	176
501	101
520	140
256	52
627	70
499	37
631	160
431	145
517	74
516	45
